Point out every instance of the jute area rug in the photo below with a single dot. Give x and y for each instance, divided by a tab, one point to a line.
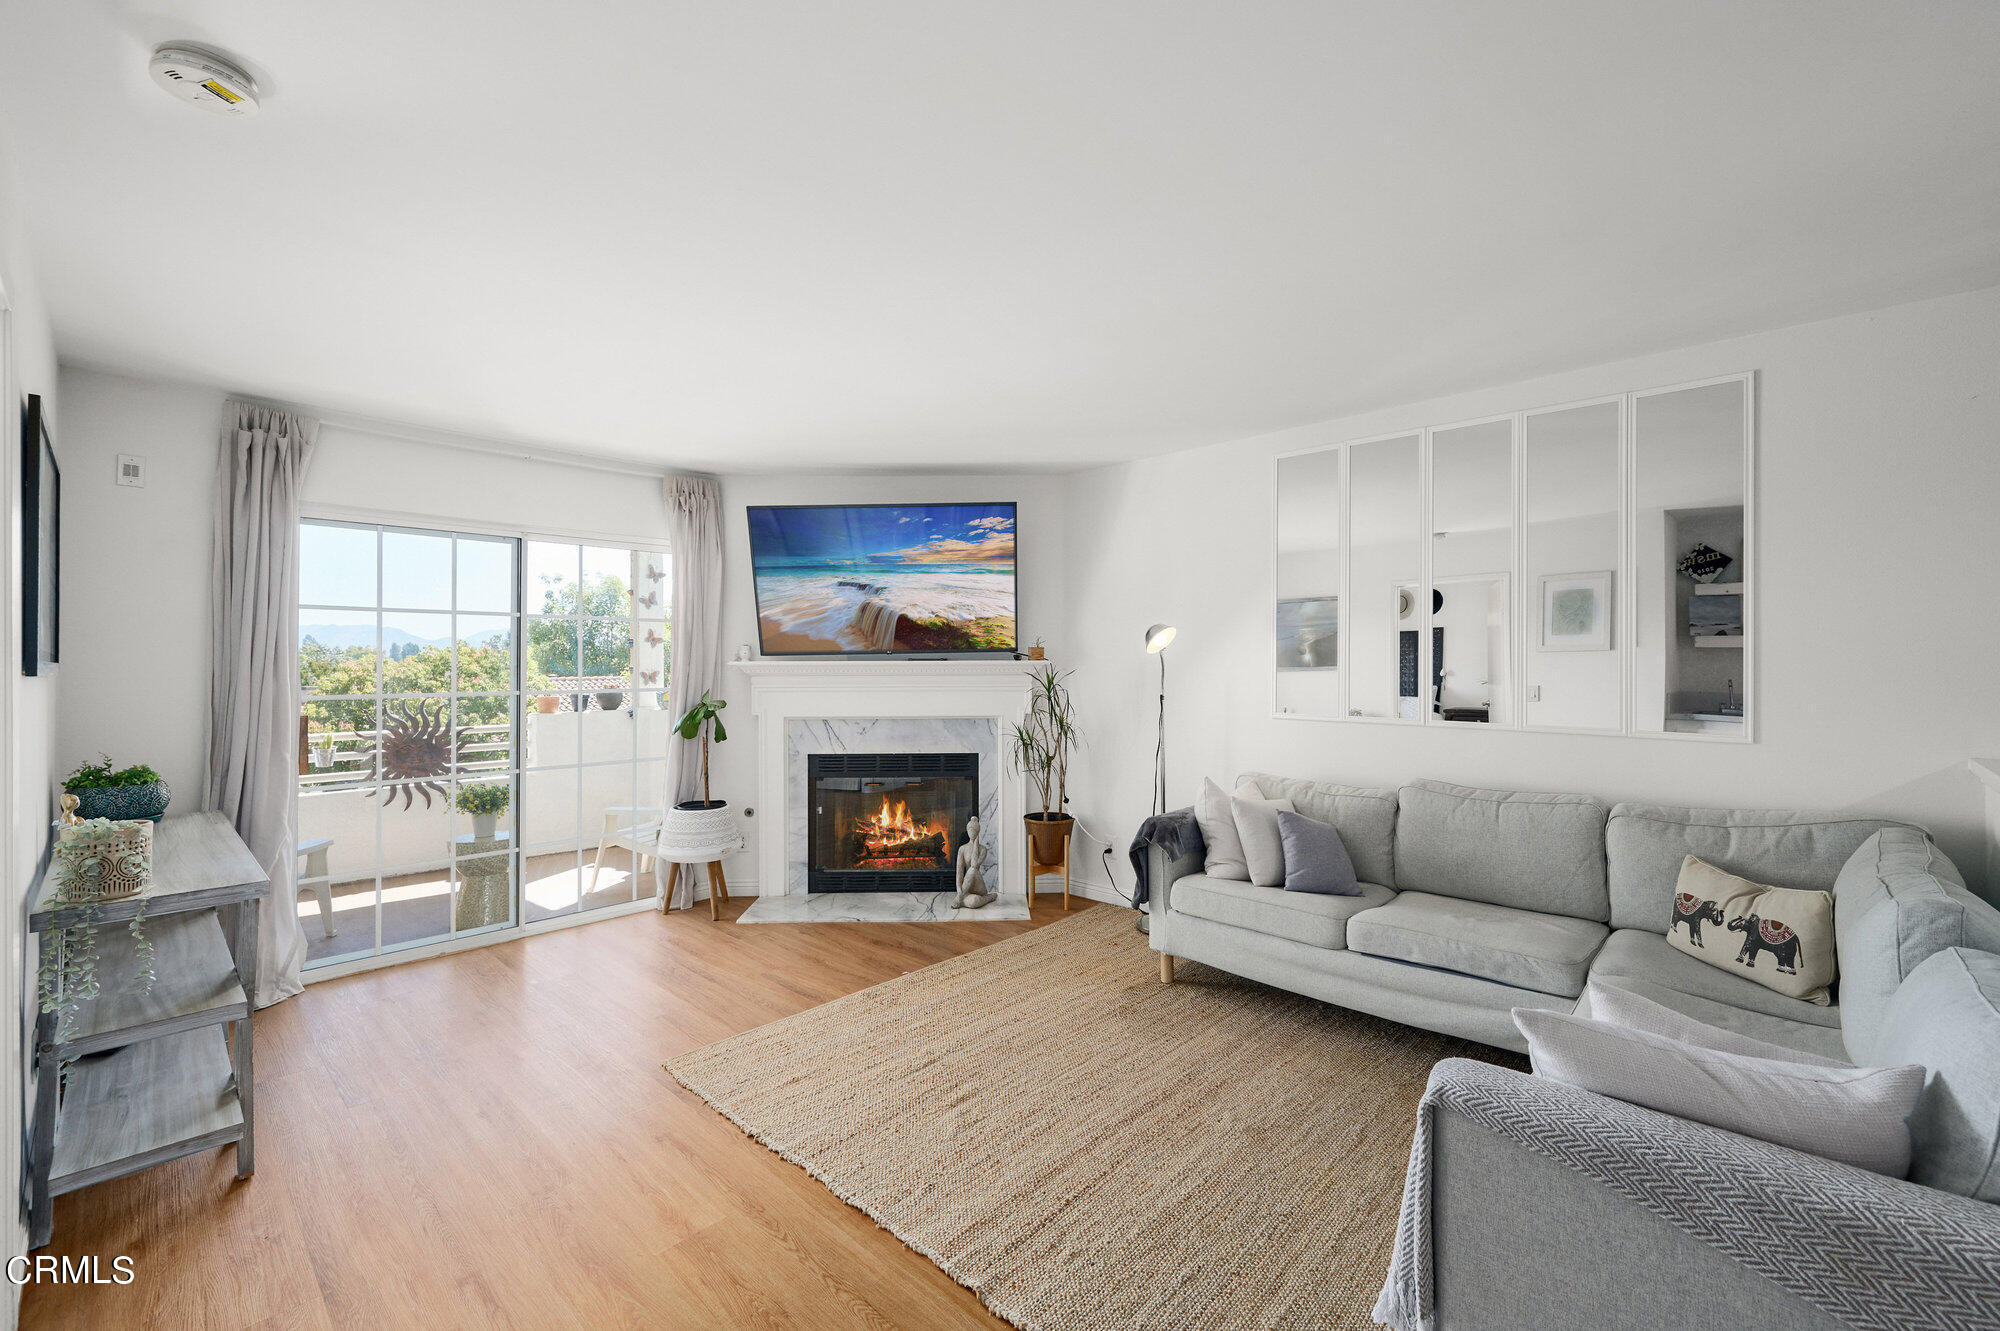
1083	1146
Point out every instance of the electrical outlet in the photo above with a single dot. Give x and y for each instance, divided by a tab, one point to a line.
132	470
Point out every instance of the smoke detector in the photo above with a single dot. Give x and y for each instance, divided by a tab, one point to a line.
196	74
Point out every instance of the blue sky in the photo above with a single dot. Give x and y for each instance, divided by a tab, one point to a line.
913	533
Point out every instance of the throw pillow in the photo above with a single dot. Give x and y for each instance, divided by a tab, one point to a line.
1781	937
1218	829
1315	857
1859	1116
1263	848
1636	1012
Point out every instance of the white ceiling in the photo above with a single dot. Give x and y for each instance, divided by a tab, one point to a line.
761	235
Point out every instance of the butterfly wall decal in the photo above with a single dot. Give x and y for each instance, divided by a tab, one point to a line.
650	599
654	573
649	677
653	638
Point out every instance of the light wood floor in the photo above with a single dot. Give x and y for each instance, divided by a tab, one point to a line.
488	1139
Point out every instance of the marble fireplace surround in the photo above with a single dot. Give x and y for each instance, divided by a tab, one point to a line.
887	706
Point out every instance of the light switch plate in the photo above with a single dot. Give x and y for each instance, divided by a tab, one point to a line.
132	470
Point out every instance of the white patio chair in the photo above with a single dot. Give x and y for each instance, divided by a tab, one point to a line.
313	874
628	828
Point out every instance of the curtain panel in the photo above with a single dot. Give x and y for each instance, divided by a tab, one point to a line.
694	652
253	696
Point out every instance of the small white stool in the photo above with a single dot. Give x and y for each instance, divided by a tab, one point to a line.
711	855
316	877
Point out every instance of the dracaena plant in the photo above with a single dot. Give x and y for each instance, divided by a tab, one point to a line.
1041	745
705	720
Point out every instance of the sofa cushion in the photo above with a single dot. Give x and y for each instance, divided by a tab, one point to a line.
1639	954
1263	847
1507	848
1644	845
1549	954
1303	917
1315	861
1224	848
1819	1041
1859	1116
1781	937
1946	1016
1364	816
1897	903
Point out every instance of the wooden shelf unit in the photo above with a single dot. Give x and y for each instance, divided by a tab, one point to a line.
164	1072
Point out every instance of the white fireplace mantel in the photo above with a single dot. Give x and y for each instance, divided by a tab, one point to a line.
782	691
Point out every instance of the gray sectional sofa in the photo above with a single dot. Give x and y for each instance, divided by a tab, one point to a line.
1476	902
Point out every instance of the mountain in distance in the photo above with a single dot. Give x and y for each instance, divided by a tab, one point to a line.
363	635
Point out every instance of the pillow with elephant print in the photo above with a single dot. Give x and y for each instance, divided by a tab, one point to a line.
1781	937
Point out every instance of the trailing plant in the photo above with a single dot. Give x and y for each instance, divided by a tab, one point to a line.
479	801
1040	746
704	719
98	775
67	976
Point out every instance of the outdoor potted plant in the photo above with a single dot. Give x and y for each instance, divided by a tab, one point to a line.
320	750
485	804
1040	748
547	704
706	821
132	792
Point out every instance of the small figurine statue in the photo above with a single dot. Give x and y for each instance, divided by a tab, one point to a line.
972	893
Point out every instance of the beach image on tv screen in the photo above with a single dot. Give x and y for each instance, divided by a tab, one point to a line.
917	578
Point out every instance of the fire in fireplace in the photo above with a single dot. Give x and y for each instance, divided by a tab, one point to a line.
887	822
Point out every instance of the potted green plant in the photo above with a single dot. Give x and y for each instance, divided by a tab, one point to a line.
131	792
484	804
1040	748
702	822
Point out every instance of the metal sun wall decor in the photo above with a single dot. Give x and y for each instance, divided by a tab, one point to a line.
416	750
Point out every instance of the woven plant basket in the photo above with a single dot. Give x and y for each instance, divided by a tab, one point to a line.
104	859
687	835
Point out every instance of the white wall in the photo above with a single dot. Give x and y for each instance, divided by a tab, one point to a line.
1044	576
1879	467
139	558
27	705
141	654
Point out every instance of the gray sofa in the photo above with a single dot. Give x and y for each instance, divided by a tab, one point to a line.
1476	902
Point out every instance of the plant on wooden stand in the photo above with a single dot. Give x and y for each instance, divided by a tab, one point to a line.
1040	747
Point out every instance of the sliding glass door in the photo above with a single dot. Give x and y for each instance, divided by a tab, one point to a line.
466	768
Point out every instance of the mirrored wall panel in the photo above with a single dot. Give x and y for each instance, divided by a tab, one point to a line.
1586	568
1311	569
1574	493
1472	573
1690	568
1387	661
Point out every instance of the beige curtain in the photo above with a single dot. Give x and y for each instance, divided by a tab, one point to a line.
253	694
694	651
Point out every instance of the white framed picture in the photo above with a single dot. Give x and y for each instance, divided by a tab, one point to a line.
1576	612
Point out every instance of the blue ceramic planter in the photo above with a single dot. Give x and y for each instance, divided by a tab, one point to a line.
148	802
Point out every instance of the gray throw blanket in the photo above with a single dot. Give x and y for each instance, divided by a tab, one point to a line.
1881	1254
1176	833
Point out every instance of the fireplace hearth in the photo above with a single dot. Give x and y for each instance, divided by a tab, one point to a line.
887	822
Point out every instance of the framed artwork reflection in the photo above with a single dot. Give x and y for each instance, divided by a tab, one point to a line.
1309	633
1576	612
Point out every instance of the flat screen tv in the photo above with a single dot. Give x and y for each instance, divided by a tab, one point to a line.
865	579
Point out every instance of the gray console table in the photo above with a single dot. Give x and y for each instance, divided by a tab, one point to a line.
155	1077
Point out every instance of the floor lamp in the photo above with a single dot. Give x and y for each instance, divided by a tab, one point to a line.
1157	638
